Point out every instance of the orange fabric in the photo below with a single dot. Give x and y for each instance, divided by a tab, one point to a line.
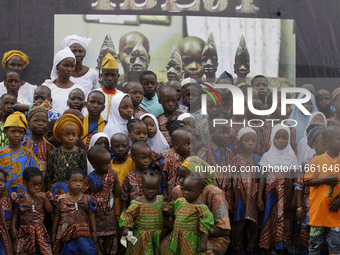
320	196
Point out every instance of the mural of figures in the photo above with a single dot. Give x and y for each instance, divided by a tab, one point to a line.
139	62
241	66
210	58
174	66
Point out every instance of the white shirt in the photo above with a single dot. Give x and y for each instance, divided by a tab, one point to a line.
26	92
88	81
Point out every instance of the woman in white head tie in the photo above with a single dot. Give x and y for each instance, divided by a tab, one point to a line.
60	84
276	183
82	75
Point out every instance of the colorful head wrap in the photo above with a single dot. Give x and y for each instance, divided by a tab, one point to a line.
72	39
60	56
34	111
63	121
16	119
313	134
197	165
109	62
9	54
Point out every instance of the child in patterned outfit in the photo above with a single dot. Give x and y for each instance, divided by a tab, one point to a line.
5	217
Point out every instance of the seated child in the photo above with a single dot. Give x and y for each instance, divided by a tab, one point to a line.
191	239
74	218
15	158
98	139
37	122
324	199
132	185
103	184
174	157
121	112
30	206
168	100
135	90
67	130
216	153
323	100
9	100
147	206
93	122
3	136
150	102
76	99
245	188
5	216
156	139
12	83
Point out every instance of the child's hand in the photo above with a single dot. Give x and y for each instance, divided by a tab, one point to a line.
203	247
335	205
331	180
39	195
299	214
114	173
125	232
165	207
47	105
14	233
260	204
94	236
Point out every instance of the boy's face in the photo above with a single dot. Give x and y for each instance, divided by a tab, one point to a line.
9	101
103	163
319	145
248	142
136	93
191	96
95	104
169	101
15	134
214	111
12	83
110	78
149	83
177	86
38	123
143	158
150	186
76	100
40	96
323	100
261	85
220	134
184	145
120	146
191	51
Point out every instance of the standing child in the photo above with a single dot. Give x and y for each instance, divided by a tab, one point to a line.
98	139
37	122
156	139
9	100
168	100
31	236
94	122
75	218
103	184
245	188
76	99
135	90
121	113
147	206
15	158
67	130
150	102
132	185
5	216
324	195
277	224
174	157
193	219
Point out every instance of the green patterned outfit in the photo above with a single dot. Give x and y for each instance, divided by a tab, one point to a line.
3	136
146	220
190	221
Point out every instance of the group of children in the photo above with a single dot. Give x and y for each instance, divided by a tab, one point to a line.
79	172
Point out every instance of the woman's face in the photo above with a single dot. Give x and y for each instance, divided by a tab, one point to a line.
66	68
15	62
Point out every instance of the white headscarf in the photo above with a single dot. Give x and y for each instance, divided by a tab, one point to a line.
71	39
60	56
276	157
304	151
93	141
116	123
157	143
186	115
243	131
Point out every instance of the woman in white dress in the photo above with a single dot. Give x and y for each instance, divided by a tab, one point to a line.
60	84
82	75
16	59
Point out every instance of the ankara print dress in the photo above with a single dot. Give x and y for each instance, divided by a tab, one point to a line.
190	221
73	235
146	220
32	236
6	216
